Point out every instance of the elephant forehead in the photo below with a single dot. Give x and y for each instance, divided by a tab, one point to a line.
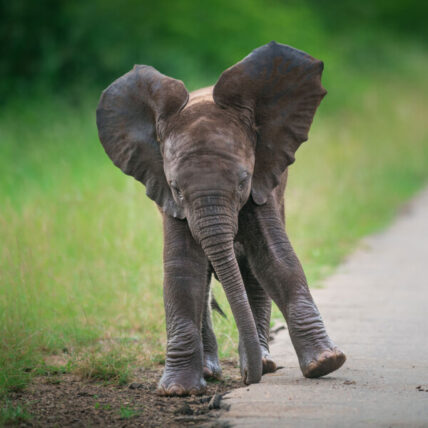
200	118
207	171
207	134
220	146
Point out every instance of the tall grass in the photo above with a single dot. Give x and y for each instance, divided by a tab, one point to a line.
80	243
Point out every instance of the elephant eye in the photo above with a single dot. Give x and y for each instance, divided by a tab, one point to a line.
243	182
176	190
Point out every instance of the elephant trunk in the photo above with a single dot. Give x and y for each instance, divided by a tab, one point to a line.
215	229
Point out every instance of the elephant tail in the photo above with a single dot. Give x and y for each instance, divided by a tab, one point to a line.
216	307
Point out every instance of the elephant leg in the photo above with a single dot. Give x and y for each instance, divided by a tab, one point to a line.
261	306
212	368
185	268
280	273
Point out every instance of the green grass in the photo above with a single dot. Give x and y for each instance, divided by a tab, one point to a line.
13	415
109	366
98	405
81	244
127	412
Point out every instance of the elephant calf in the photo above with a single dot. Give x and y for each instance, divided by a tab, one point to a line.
215	162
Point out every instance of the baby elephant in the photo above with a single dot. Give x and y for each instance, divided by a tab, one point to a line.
215	162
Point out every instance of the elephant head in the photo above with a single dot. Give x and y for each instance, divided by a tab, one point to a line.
201	161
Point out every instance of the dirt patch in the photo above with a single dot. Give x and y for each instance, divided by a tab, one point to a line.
66	400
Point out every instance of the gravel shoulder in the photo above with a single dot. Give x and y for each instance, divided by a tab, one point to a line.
375	308
65	400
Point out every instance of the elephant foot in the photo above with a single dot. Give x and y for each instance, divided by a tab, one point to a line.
323	363
318	355
269	365
212	368
181	384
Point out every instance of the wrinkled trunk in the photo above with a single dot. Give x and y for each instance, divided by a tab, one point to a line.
215	228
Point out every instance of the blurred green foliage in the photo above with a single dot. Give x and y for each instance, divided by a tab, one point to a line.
76	44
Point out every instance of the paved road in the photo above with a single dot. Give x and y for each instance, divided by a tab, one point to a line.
376	308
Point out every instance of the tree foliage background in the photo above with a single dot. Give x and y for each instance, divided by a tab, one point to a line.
79	44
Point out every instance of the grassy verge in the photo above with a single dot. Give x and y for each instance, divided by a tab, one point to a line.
13	415
80	254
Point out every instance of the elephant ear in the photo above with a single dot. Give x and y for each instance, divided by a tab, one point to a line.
131	113
279	88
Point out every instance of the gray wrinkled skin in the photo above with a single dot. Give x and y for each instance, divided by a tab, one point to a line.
216	164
